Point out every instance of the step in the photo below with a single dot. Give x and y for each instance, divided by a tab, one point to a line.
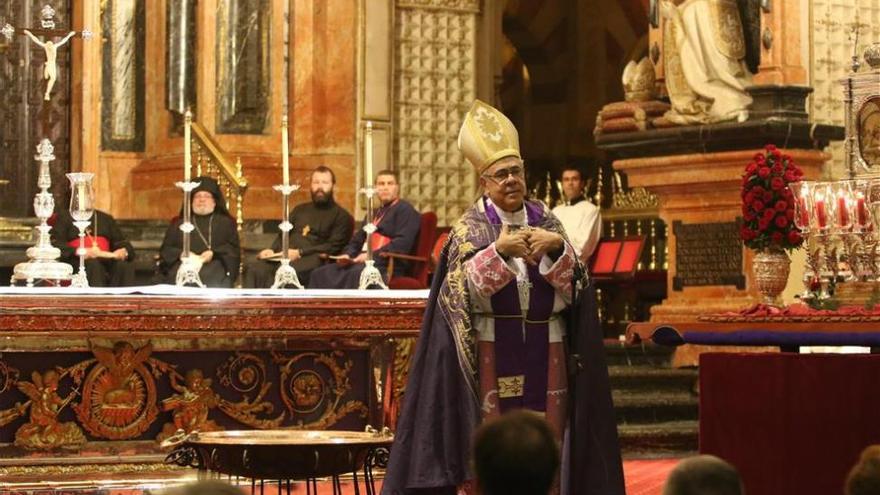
659	439
652	378
645	407
642	354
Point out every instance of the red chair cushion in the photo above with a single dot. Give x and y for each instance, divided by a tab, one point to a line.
405	283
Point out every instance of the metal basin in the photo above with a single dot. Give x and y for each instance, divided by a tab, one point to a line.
285	454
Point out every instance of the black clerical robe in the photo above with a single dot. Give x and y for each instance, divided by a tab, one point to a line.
317	229
103	232
397	228
218	231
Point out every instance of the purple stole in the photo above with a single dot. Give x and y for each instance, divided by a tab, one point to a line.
521	348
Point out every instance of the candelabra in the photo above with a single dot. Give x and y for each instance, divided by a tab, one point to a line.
81	210
370	276
286	276
42	263
190	265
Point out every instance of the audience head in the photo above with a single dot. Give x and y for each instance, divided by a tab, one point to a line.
505	183
515	454
703	475
573	183
864	477
323	181
387	186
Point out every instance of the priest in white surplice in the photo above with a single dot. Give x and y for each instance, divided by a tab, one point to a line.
578	215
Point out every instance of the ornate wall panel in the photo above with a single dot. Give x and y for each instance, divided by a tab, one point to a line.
831	50
243	66
122	98
434	85
180	74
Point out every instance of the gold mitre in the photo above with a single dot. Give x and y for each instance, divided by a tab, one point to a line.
486	136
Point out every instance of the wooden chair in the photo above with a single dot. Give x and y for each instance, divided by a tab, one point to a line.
420	260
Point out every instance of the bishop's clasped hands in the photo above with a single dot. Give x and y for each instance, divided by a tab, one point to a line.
529	243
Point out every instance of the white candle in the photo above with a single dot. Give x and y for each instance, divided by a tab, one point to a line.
285	162
368	155
187	151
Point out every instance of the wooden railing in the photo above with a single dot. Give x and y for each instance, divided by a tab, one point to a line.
212	161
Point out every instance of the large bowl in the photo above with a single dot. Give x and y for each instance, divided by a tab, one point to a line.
284	454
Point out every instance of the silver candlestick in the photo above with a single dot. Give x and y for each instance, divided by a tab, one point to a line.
82	209
43	264
370	276
188	272
80	279
286	276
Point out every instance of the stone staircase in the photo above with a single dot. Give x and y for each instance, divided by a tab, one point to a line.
656	405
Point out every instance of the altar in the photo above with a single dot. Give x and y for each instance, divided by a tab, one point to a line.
95	379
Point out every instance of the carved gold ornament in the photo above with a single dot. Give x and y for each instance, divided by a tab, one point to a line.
246	374
190	405
305	389
119	393
43	431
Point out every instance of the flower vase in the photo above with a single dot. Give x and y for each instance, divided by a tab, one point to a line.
770	268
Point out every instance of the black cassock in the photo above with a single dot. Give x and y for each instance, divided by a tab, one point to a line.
218	230
317	229
101	272
398	222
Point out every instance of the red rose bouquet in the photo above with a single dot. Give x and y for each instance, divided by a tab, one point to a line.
768	203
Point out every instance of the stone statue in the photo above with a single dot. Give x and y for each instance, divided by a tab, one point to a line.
50	70
709	58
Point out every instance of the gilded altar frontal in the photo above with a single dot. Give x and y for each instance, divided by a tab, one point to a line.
339	245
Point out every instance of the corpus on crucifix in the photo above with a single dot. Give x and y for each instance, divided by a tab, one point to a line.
47	43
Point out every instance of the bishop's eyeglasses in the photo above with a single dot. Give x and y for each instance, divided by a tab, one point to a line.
502	174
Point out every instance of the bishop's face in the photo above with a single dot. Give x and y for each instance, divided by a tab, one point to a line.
387	188
505	183
203	203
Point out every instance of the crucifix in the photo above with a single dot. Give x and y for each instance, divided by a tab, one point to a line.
49	43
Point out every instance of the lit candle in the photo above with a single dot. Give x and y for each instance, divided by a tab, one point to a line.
368	155
821	214
187	151
285	159
861	210
842	211
803	214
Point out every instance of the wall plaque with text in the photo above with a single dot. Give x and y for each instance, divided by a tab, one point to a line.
708	254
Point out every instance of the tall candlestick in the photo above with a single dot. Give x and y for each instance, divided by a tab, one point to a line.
368	155
187	151
285	159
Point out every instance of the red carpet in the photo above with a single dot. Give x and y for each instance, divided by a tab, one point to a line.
643	477
646	477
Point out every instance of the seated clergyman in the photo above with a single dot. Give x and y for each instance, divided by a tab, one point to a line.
397	226
213	241
319	226
108	255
